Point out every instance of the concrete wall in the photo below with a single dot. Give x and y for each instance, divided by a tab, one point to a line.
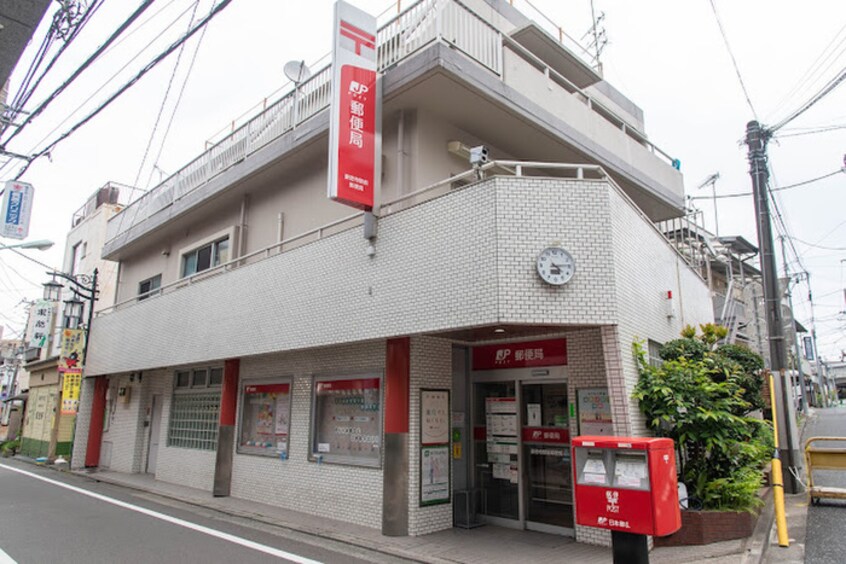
90	234
334	491
645	270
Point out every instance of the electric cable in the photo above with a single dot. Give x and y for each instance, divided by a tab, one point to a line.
815	68
25	93
216	10
812	131
733	60
165	98
777	189
176	106
102	86
81	68
822	93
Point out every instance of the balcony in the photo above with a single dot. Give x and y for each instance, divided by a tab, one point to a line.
506	62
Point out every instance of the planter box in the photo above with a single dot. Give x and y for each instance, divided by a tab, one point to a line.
705	527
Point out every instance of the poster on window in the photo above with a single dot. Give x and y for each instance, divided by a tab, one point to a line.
434	475
595	412
434	413
265	416
348	421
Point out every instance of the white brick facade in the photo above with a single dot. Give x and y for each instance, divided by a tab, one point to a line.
464	260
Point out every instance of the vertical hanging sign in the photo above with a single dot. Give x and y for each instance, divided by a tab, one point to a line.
17	208
352	129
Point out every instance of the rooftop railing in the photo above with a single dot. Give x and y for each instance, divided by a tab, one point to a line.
417	26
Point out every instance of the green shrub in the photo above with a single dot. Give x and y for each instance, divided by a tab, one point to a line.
698	398
10	448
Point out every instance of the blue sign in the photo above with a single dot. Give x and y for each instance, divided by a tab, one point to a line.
17	207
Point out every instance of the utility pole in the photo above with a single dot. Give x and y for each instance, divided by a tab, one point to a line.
756	142
821	382
788	280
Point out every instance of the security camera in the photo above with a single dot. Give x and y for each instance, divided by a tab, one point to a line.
478	155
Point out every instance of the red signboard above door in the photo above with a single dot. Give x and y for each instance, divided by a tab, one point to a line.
549	352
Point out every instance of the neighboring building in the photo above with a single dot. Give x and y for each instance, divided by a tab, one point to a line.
387	381
13	380
48	429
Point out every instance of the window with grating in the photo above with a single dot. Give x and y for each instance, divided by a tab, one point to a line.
194	420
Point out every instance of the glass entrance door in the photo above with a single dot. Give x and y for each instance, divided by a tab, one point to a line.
495	449
546	452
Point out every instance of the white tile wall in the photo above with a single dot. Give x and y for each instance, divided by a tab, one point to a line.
466	259
348	493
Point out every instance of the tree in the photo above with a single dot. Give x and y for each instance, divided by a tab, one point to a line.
697	398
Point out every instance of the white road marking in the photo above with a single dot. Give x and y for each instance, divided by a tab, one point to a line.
156	515
5	558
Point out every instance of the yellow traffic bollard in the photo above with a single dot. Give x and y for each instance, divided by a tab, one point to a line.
778	484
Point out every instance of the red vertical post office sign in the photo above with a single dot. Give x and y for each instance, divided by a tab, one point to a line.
353	138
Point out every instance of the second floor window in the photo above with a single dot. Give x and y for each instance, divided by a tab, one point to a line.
148	287
205	257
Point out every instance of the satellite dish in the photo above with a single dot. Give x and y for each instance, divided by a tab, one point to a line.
297	72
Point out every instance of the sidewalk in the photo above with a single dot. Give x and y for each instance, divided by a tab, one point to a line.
488	544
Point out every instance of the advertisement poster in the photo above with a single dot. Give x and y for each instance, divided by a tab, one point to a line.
434	409
73	343
265	412
17	209
434	475
71	384
595	412
348	420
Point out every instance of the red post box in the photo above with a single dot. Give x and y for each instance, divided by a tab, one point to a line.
626	484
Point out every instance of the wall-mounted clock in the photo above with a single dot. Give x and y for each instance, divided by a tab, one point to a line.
556	266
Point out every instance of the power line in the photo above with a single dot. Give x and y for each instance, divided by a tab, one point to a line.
164	98
823	92
814	245
25	92
216	10
176	105
812	131
778	189
814	69
733	60
93	57
106	83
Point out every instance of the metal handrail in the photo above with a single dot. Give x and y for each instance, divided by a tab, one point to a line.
591	102
516	167
276	121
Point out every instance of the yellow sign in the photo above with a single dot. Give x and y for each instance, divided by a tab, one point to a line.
71	384
73	344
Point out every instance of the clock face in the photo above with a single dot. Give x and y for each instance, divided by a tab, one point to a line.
556	266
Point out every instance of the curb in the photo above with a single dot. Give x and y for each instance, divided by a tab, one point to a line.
756	545
258	517
261	518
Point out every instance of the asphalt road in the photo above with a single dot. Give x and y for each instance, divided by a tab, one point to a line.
825	540
47	516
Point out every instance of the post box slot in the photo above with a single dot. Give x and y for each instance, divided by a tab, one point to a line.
631	471
593	466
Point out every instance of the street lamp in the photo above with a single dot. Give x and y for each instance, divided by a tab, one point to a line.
41	245
83	286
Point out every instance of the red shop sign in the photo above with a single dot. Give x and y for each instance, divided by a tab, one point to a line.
339	385
267	389
549	352
549	435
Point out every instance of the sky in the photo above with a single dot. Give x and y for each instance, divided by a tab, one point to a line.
668	57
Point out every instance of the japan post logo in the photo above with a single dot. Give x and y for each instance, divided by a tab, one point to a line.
502	356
